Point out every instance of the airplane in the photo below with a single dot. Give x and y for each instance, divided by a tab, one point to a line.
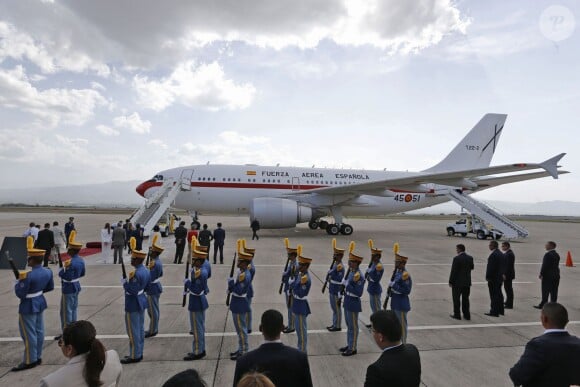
282	197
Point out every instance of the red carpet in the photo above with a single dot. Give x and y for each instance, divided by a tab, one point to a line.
83	253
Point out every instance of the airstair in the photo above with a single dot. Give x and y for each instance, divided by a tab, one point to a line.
153	209
510	229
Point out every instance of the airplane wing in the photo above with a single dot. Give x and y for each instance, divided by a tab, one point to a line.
464	178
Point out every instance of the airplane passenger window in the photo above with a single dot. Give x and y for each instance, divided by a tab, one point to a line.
223	179
214	179
254	180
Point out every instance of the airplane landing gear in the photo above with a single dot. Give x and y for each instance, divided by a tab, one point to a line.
194	220
323	224
333	229
313	224
346	229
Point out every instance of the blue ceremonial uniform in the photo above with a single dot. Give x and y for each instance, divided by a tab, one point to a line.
252	270
239	306
135	305
30	289
300	308
70	275
335	277
153	291
400	290
289	273
197	289
352	306
373	275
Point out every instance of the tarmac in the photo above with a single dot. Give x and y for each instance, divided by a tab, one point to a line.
463	353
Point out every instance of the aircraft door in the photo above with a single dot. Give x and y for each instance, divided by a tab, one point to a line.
295	184
185	179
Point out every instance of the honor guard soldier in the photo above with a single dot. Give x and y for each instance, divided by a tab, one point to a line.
206	265
300	286
30	288
70	273
154	288
135	304
353	286
400	289
197	289
335	276
289	273
252	270
238	287
373	275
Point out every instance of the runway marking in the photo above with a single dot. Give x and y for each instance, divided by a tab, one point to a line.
326	266
473	283
312	331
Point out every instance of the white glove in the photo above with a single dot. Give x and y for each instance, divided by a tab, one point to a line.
123	281
329	272
231	279
185	280
16	282
391	283
345	282
291	281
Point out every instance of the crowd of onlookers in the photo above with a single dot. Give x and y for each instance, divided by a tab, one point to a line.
548	360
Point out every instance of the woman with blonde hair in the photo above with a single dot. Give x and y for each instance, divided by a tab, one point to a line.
255	379
90	363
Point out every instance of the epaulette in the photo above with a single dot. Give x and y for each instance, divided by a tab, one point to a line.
405	276
66	263
197	272
250	266
131	274
304	279
22	275
151	264
339	267
242	277
356	277
379	267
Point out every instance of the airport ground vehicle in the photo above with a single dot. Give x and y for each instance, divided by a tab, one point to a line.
474	225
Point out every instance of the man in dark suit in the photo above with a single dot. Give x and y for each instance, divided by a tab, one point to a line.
550	275
550	360
45	241
399	364
180	234
494	277
460	282
509	274
219	237
285	366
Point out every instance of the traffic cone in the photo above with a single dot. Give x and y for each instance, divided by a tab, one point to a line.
569	262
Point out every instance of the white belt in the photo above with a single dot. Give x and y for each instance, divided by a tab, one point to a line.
240	295
71	281
370	279
352	295
196	294
300	298
336	282
32	295
394	291
155	281
138	293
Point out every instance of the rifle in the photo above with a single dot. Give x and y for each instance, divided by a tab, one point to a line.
232	273
12	266
328	276
184	285
148	257
287	244
396	251
350	250
290	296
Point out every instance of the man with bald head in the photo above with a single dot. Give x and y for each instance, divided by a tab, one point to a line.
550	360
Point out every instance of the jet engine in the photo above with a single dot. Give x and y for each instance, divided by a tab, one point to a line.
279	213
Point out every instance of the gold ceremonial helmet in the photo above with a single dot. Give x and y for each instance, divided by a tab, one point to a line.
72	243
351	255
301	259
335	249
136	254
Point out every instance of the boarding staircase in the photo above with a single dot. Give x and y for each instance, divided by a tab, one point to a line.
510	229
153	208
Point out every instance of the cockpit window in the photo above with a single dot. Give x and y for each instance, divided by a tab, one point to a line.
158	177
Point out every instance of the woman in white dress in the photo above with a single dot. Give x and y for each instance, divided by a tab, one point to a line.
106	240
90	363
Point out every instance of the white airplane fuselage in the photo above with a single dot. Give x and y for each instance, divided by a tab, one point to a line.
229	189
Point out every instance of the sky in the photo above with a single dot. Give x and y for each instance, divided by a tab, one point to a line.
99	91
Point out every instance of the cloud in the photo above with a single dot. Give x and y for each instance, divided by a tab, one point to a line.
107	130
158	143
204	86
50	56
52	106
133	122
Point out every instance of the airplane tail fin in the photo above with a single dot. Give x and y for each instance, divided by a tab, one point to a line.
477	147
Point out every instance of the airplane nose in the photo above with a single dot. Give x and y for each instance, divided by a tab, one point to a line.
141	188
